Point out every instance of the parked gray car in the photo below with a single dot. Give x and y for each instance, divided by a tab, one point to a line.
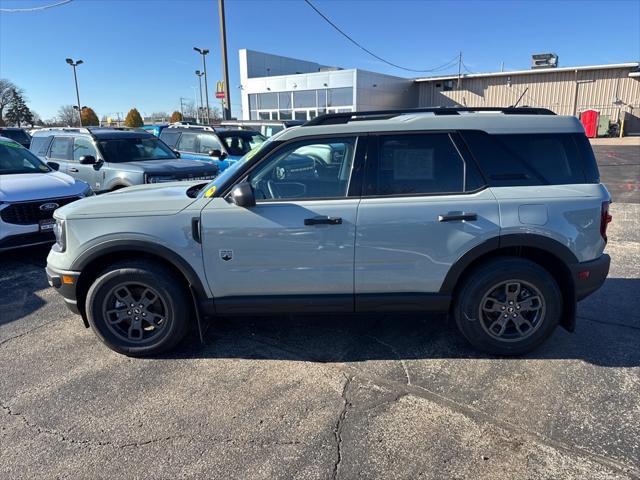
496	216
109	159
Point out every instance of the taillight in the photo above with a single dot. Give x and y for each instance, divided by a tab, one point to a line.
605	219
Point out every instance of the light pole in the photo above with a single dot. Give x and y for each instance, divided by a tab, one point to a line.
75	77
203	52
226	112
199	74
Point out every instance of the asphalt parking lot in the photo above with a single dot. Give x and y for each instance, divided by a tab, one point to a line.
390	396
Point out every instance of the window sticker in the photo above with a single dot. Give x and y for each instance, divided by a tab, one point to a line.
209	193
413	164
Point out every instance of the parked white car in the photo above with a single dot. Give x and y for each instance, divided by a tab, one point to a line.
30	191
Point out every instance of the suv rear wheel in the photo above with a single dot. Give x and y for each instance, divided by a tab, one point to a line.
508	306
138	308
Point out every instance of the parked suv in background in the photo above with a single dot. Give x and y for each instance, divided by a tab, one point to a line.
220	146
19	135
109	159
30	191
497	216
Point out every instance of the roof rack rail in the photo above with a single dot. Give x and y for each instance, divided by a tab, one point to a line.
346	117
194	127
66	129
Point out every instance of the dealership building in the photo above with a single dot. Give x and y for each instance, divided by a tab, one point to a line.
277	87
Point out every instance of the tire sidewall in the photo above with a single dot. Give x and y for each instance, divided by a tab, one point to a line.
174	301
478	284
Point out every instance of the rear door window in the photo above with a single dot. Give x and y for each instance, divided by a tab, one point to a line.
61	148
417	164
40	145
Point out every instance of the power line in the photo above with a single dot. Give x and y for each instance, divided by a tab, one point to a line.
446	65
34	9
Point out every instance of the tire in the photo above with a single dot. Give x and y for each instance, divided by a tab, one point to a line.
490	323
156	327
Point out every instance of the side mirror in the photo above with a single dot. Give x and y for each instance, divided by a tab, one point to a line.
217	153
87	160
242	195
53	165
177	153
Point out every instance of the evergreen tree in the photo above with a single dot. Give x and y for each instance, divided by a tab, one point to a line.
18	112
133	119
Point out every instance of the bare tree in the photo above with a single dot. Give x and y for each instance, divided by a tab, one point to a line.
68	116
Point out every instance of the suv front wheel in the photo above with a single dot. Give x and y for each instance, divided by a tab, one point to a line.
508	306
138	308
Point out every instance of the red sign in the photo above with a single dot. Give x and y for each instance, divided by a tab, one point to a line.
220	89
219	94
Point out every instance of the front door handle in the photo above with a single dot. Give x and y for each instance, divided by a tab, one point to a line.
452	217
74	170
323	221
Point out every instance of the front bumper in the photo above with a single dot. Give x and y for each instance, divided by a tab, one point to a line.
589	276
21	240
65	282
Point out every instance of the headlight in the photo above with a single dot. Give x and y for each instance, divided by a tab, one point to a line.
60	232
159	178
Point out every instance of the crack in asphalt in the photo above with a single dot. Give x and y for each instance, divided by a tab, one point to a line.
340	424
396	353
612	324
473	413
6	340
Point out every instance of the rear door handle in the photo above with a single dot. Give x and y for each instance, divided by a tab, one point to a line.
452	217
74	170
323	221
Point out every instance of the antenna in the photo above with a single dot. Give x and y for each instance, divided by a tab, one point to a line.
520	98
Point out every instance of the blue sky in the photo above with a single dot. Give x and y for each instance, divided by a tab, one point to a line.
139	52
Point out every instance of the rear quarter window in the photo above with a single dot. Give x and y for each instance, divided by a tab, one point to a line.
533	159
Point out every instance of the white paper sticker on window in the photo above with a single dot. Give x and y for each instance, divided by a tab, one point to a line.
413	164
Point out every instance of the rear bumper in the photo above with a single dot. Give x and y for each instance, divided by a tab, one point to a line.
589	276
65	284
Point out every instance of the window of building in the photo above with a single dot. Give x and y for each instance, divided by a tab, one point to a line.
304	98
300	115
253	101
449	85
285	100
416	164
337	97
267	101
285	115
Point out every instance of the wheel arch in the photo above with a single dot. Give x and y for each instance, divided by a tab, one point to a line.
93	261
550	254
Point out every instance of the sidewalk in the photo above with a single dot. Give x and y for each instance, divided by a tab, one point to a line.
624	141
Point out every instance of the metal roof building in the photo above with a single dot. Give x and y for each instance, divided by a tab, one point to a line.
612	89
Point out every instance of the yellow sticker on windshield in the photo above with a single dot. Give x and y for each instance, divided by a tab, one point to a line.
209	193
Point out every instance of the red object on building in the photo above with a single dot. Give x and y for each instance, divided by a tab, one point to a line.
589	120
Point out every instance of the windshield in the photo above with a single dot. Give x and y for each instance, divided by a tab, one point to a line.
221	179
241	143
118	150
19	136
16	159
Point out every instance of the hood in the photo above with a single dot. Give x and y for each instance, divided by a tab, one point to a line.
38	186
151	199
170	167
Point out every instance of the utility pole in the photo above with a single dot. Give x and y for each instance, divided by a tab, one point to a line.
200	74
203	52
226	112
75	77
459	70
181	108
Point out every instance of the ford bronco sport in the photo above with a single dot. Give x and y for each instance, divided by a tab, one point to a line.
496	216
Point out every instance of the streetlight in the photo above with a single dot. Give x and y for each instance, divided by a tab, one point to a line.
75	77
199	74
203	52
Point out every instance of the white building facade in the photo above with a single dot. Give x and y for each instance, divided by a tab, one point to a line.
281	88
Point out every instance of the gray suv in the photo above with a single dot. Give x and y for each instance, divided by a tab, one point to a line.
496	216
109	159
